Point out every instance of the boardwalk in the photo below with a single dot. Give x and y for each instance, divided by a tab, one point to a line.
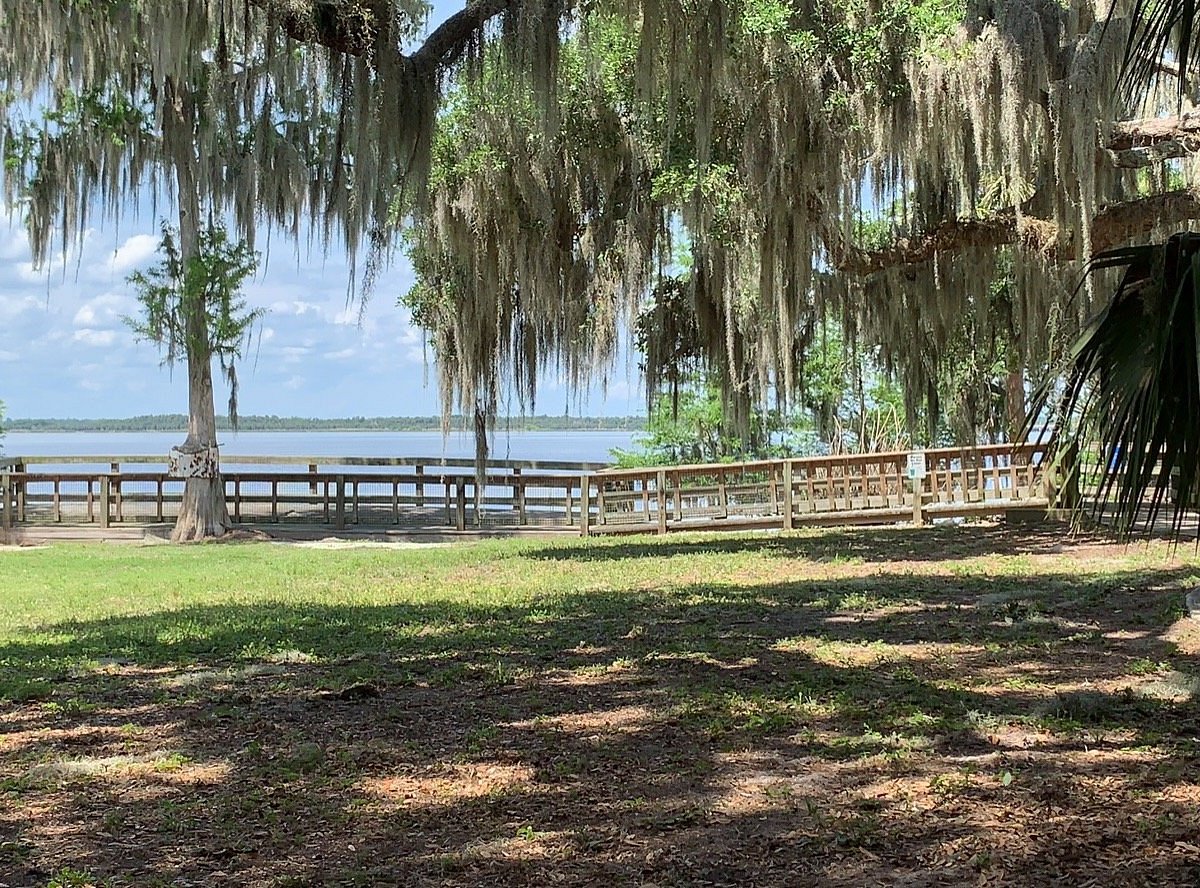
40	495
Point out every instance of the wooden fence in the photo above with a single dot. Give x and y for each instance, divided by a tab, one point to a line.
338	493
367	493
860	488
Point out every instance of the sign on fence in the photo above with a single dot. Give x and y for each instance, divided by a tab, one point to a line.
204	463
916	465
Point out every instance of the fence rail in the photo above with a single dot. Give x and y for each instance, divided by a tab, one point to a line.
415	493
871	487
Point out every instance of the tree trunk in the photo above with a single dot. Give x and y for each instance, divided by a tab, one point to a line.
203	512
1015	389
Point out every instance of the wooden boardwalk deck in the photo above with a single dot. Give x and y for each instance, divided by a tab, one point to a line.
358	495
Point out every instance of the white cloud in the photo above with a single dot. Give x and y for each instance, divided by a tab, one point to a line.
12	306
101	338
135	252
348	316
297	307
14	244
105	309
341	355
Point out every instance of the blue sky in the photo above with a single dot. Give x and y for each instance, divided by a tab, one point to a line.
65	352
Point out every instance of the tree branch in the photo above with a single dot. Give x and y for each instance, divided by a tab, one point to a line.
352	27
1141	143
450	39
1116	224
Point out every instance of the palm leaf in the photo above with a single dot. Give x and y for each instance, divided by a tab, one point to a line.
1160	30
1132	386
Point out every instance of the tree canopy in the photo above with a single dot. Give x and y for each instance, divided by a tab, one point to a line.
886	163
931	174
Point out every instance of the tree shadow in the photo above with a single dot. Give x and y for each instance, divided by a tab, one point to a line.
918	730
867	544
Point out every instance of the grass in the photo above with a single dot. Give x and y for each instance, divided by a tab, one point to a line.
930	707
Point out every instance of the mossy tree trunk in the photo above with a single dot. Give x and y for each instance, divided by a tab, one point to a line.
203	513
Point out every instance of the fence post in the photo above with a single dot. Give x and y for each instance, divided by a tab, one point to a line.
787	494
19	492
6	500
339	507
460	504
518	495
105	499
420	487
918	486
661	483
585	506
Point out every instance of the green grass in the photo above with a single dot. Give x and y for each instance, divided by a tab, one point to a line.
235	706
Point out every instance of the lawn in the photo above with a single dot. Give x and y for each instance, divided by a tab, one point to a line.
948	706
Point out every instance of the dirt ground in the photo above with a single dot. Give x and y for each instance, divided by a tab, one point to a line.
963	706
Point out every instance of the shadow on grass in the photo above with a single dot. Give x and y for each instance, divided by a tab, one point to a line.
898	729
869	544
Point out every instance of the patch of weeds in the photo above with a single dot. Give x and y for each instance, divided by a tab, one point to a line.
1146	666
113	822
859	602
306	759
780	790
17	786
15	852
1078	709
168	764
69	877
477	738
22	691
1172	686
1019	610
951	784
1020	683
863	829
58	708
566	767
719	714
500	675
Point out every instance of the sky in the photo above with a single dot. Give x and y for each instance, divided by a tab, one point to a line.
66	352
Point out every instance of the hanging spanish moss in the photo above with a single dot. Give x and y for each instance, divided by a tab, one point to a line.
554	163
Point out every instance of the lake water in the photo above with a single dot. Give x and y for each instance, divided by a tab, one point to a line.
575	446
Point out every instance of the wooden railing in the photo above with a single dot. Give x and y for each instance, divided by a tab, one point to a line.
424	493
341	500
830	490
312	463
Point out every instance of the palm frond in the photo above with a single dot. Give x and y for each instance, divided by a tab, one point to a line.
1160	31
1132	387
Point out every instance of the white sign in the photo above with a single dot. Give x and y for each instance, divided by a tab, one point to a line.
198	464
916	465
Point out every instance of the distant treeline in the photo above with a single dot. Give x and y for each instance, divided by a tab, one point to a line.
177	422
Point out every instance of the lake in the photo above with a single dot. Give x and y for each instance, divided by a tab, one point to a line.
576	446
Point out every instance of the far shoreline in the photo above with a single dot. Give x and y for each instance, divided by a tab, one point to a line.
272	424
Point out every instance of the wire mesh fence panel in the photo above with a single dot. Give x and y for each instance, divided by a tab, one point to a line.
139	500
253	501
